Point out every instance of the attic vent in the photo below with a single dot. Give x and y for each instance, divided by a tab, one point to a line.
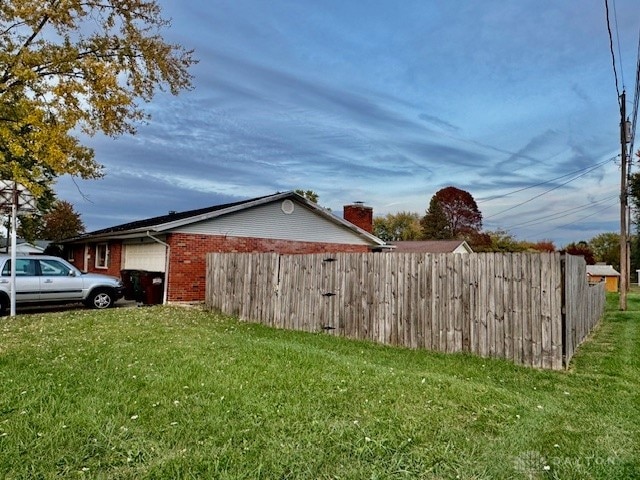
287	207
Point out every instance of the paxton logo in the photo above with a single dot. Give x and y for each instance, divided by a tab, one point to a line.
531	463
534	465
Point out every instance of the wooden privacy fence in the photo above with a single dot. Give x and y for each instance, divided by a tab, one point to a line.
583	304
532	309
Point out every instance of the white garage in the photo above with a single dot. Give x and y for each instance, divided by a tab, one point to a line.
144	256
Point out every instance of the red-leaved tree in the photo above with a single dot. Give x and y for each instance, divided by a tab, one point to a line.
581	248
452	214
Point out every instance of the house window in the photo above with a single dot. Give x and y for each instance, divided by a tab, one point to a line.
102	255
70	252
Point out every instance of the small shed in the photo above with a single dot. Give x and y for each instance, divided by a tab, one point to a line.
24	247
601	272
430	246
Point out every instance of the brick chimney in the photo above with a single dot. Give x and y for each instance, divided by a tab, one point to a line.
360	215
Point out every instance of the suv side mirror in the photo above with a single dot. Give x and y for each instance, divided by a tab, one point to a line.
72	273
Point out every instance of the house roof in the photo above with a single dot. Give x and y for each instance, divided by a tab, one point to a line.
430	246
175	220
601	270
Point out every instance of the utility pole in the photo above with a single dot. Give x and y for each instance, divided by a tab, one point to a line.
624	264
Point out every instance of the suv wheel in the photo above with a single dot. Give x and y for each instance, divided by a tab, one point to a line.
4	304
100	299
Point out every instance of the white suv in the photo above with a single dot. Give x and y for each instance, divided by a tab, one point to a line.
43	279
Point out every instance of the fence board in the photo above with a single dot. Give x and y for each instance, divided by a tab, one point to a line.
435	303
467	302
499	338
490	317
450	315
483	305
507	302
443	302
545	312
556	309
536	324
458	286
518	306
421	301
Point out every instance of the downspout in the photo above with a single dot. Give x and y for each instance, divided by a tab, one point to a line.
165	293
85	258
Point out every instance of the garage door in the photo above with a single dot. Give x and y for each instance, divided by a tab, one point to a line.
146	256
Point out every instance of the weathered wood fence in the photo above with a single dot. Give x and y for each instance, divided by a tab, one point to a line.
583	304
533	309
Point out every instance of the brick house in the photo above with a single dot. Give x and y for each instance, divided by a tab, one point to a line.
176	244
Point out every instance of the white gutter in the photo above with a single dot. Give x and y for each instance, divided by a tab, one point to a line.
165	293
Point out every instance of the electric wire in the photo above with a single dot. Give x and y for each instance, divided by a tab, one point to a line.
545	192
482	200
636	98
613	56
615	19
579	220
634	119
561	214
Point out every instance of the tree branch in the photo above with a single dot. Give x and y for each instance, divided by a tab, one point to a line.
24	46
11	27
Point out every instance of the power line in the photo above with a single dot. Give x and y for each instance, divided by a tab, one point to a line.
561	214
636	97
545	182
613	56
615	19
545	192
580	219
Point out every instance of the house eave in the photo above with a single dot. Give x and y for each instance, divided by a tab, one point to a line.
137	233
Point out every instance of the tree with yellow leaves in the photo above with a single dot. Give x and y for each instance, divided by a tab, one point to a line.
71	66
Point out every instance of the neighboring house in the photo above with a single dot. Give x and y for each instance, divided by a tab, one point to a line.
601	272
176	244
23	247
431	246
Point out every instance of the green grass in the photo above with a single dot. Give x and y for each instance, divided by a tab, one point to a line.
182	393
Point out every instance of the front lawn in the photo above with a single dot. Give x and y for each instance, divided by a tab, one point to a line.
168	393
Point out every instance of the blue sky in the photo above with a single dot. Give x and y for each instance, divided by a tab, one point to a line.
384	102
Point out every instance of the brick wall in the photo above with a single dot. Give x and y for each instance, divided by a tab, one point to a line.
78	255
115	260
114	264
188	258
